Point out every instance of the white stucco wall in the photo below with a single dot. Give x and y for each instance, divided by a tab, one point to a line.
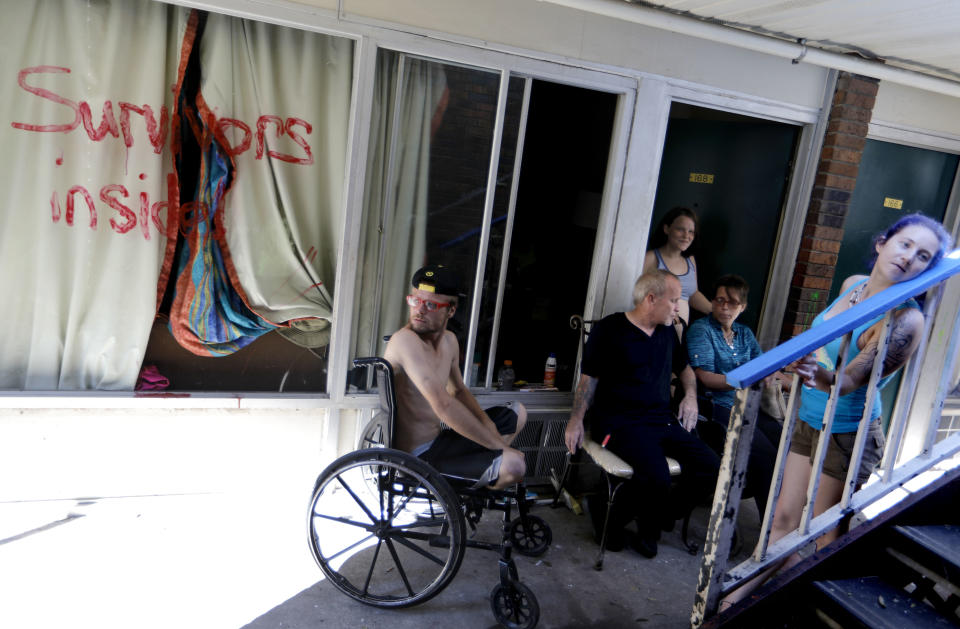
575	35
899	105
563	34
66	453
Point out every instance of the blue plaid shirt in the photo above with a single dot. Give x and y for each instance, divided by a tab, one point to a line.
709	351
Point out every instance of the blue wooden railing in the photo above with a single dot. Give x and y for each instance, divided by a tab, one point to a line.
715	578
814	338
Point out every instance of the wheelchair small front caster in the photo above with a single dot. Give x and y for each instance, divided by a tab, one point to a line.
514	605
530	535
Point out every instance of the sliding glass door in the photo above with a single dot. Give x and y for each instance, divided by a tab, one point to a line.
522	240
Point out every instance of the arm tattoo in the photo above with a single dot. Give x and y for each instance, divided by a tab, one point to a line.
583	398
861	365
900	346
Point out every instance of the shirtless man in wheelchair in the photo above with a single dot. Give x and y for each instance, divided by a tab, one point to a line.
430	390
388	528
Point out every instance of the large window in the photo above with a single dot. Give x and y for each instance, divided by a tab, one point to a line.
181	178
523	241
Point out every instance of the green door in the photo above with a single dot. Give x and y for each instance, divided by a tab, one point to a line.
894	180
733	172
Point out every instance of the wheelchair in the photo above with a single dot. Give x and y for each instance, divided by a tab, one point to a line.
390	531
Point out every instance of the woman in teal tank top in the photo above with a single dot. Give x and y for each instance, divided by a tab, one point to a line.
906	249
850	406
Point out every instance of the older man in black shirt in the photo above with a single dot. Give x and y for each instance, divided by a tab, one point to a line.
625	384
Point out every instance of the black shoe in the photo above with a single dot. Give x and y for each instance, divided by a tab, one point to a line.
646	546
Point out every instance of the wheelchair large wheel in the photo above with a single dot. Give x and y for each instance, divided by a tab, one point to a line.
386	528
530	535
514	605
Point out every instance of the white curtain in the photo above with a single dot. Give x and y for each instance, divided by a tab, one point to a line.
395	204
86	101
282	100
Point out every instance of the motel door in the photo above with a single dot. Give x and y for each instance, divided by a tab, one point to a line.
733	171
894	180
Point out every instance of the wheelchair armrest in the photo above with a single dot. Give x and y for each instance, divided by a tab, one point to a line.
369	360
608	461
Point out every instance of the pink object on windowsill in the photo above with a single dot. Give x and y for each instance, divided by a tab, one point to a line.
150	379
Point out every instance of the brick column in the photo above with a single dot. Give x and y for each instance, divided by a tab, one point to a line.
836	178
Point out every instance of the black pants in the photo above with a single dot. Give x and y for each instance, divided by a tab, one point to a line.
763	452
647	496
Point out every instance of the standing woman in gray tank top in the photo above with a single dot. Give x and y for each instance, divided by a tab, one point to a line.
670	250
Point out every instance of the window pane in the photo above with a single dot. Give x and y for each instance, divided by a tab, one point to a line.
566	146
498	230
431	136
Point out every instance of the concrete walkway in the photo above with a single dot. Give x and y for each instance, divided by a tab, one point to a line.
631	591
198	521
240	559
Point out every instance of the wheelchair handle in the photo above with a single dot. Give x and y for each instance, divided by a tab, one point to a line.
370	360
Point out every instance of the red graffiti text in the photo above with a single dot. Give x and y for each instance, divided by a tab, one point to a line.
157	127
125	219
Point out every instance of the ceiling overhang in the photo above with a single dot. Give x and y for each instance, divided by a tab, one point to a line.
915	44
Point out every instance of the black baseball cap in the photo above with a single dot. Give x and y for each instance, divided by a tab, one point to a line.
436	278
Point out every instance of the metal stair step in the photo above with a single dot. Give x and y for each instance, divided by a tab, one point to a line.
937	544
876	604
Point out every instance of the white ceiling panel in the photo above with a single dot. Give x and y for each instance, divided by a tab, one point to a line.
917	35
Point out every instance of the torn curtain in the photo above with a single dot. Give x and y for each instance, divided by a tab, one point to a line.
273	109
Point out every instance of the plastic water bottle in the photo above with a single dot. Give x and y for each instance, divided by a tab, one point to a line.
506	376
550	371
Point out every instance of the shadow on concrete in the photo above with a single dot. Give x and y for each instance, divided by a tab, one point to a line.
630	591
